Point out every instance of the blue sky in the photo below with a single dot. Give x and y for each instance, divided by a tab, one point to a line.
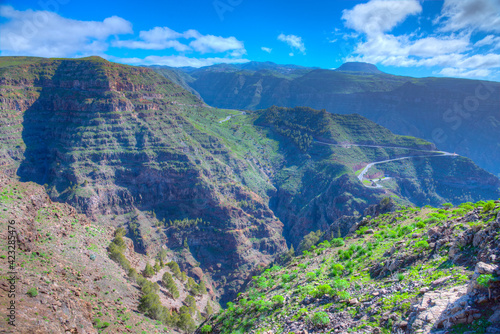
457	38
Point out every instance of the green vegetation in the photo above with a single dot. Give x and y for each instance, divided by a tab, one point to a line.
169	283
32	292
338	275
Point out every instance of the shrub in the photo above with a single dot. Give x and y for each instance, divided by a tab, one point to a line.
278	299
32	292
337	269
337	242
310	276
322	290
421	245
320	319
344	295
484	280
340	284
206	329
489	206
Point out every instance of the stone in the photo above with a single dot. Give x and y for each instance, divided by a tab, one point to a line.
440	281
484	268
424	289
353	301
495	317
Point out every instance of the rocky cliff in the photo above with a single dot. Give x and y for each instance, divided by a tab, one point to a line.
113	139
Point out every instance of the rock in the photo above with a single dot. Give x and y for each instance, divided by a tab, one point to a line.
440	281
495	317
484	268
433	231
353	301
424	289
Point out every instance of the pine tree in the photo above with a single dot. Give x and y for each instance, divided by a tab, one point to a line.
169	283
202	288
175	269
148	271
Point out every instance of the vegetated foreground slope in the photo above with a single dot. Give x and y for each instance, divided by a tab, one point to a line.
65	279
131	149
458	115
411	271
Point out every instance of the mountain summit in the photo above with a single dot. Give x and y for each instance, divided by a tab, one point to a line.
359	67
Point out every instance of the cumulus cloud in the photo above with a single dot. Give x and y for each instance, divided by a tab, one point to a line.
454	52
379	16
460	72
210	43
295	42
268	50
180	61
160	38
46	34
481	15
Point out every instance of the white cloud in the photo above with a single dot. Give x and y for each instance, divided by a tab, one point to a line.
268	50
295	42
379	16
160	38
210	43
46	34
454	52
490	40
291	54
180	61
481	15
460	72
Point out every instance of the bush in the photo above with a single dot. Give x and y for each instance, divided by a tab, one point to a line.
320	291
344	295
320	319
206	329
278	299
421	245
337	242
340	284
32	292
489	206
310	276
484	280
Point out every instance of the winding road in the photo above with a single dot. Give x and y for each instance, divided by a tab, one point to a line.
229	117
361	176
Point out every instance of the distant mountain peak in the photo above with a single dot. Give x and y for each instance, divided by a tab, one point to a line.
358	67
